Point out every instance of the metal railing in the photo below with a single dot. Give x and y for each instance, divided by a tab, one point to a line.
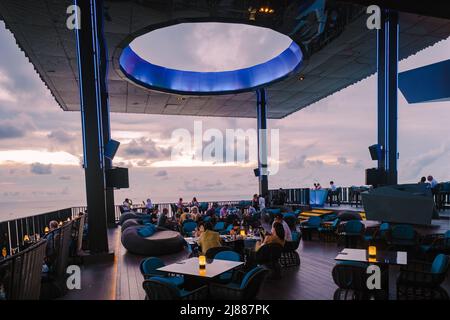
13	232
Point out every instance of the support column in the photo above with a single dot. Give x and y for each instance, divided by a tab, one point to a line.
387	94
91	117
103	54
261	111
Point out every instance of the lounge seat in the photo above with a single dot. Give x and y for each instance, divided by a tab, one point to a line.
133	215
162	242
131	223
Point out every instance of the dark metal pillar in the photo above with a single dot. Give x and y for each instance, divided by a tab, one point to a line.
103	54
387	94
261	111
91	113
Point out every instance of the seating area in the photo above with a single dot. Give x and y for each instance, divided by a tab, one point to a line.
325	234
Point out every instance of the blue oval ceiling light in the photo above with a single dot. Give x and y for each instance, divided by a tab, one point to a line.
180	58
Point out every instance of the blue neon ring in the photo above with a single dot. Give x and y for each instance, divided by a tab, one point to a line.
160	78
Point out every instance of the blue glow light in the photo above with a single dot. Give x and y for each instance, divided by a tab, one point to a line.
160	78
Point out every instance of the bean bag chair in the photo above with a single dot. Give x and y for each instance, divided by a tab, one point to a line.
132	215
161	242
127	215
131	223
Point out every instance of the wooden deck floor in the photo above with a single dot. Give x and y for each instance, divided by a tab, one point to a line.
122	279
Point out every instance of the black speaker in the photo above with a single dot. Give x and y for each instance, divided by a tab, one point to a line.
375	177
375	151
256	171
111	148
117	178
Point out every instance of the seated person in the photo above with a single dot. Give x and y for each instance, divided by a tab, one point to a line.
154	216
185	215
51	247
287	231
224	212
236	228
194	214
149	206
209	238
162	219
126	205
199	230
276	236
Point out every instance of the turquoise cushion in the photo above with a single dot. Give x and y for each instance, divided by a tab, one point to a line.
248	275
274	211
147	231
440	264
168	281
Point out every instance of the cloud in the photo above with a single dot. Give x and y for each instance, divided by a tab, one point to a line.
8	131
40	169
60	136
145	148
161	173
342	161
417	165
65	178
297	162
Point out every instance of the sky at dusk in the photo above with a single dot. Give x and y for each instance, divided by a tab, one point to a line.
41	147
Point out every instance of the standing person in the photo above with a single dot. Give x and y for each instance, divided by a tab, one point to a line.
194	202
180	204
255	202
432	181
423	180
333	186
261	202
281	197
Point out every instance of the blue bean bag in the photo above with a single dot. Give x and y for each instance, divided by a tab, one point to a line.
162	242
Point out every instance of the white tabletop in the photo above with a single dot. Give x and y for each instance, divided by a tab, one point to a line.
191	267
383	257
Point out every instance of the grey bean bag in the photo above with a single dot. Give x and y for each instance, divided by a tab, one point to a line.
132	215
131	223
161	243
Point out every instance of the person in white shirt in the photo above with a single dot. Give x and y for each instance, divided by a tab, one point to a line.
432	181
333	186
261	202
287	230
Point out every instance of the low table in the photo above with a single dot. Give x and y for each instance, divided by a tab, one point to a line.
194	275
383	258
